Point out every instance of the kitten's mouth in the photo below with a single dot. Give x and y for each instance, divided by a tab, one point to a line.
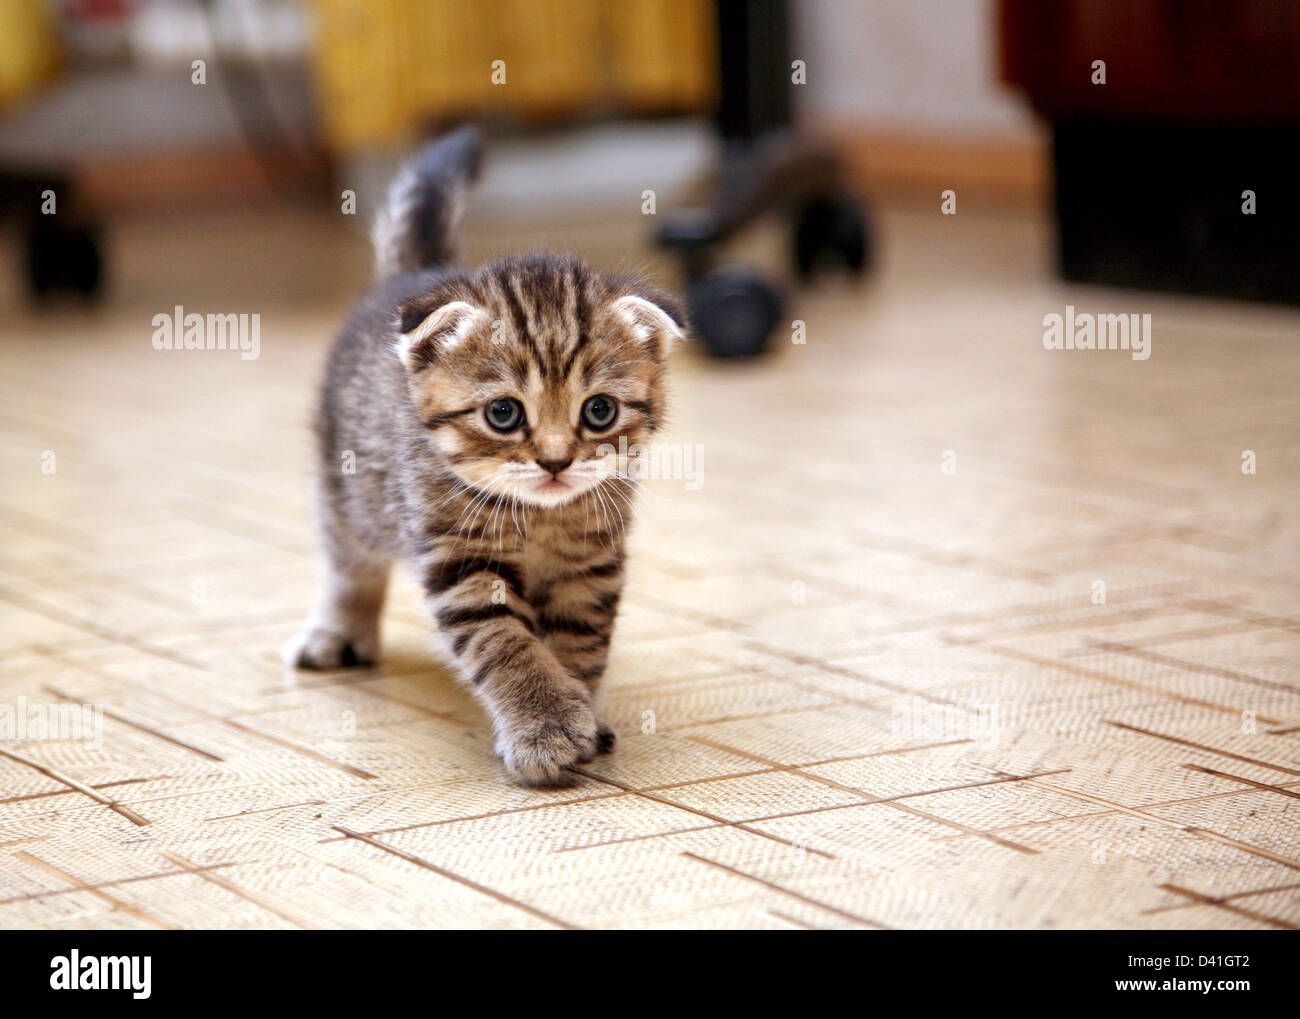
541	488
552	490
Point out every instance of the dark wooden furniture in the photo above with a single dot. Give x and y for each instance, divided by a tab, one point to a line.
1200	105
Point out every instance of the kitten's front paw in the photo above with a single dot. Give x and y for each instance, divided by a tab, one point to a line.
315	648
538	750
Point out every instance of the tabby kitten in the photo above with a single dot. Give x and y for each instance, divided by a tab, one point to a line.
469	422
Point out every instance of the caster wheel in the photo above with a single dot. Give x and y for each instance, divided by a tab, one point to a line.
63	258
733	312
831	229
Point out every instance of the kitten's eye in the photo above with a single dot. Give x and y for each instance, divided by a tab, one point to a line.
599	412
504	415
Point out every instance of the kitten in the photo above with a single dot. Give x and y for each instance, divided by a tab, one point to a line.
469	423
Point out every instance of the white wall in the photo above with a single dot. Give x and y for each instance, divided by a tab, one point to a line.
923	65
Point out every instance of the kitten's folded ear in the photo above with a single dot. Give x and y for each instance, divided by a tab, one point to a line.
654	317
426	334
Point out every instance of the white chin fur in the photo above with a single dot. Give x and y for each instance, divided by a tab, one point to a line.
527	487
530	492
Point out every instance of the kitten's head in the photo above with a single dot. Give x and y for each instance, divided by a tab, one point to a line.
528	373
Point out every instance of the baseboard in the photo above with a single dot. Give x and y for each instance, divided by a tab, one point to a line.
167	179
1001	170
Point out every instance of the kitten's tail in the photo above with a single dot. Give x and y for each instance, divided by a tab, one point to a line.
416	227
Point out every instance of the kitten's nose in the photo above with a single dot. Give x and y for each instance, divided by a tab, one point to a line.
554	466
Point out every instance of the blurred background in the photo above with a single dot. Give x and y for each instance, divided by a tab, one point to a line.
136	110
208	111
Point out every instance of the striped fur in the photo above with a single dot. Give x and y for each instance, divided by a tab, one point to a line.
522	566
416	225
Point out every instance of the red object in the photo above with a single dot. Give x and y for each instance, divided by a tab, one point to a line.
97	11
1192	60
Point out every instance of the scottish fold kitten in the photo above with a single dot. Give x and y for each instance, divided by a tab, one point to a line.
469	423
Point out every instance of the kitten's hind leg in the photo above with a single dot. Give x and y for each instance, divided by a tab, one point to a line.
343	630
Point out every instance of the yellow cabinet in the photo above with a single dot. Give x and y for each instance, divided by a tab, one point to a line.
385	68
